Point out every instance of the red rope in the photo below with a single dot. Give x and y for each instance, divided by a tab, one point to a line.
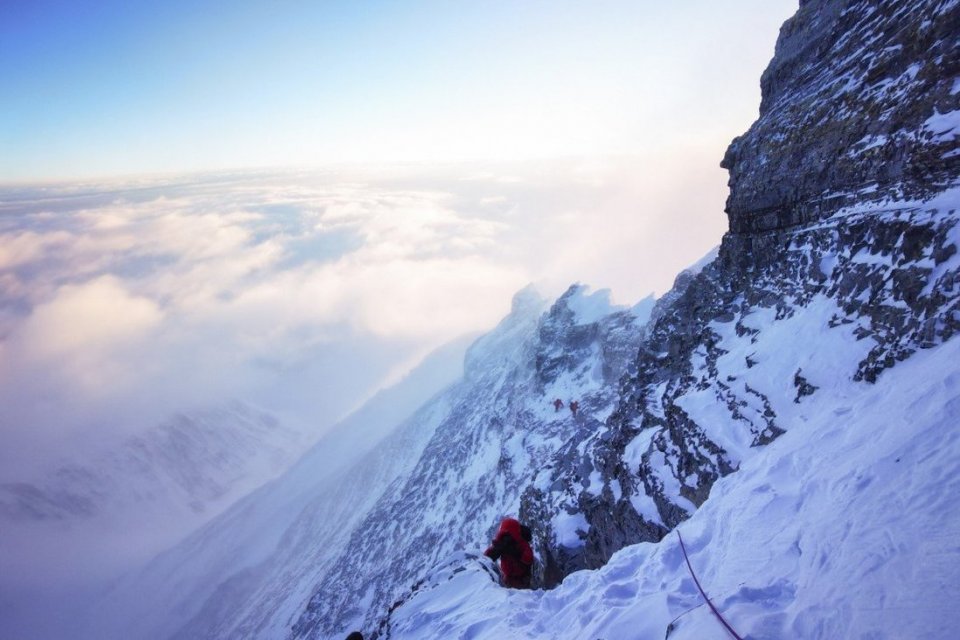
715	612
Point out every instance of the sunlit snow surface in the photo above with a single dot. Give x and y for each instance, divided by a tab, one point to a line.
847	526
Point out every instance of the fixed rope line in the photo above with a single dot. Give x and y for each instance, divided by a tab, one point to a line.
697	582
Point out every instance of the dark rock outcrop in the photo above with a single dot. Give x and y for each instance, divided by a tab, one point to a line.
851	111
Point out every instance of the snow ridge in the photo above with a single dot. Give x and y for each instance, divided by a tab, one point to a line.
501	428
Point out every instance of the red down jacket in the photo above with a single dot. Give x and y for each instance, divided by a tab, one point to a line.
515	555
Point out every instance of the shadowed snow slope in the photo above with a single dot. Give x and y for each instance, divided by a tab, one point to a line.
845	527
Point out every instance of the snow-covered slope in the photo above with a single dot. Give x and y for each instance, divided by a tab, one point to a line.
832	307
844	527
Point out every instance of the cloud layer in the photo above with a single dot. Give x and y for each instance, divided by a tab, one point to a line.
302	292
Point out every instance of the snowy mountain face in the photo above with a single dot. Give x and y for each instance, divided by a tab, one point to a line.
844	527
780	360
815	280
101	514
456	465
67	532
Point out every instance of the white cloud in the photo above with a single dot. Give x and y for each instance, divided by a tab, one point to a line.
26	246
93	317
304	291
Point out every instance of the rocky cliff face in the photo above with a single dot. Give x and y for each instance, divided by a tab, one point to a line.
843	230
855	106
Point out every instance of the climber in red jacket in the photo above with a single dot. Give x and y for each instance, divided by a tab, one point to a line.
514	553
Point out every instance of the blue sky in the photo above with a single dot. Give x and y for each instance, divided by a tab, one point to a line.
106	88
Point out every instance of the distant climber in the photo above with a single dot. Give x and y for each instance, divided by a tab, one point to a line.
557	404
574	405
512	548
